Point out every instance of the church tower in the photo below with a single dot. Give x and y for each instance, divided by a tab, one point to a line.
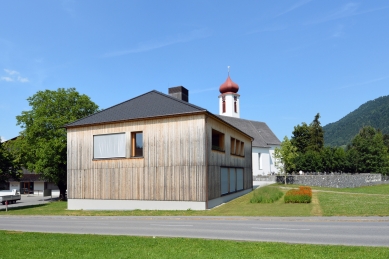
229	99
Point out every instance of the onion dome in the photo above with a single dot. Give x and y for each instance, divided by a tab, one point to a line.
229	87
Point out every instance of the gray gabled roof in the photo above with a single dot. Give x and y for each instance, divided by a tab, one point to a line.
262	134
148	105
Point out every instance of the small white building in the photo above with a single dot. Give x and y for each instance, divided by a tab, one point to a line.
265	141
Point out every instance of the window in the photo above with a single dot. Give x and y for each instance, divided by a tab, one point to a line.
137	144
233	146
224	104
224	180
241	149
237	147
259	161
239	179
217	140
235	109
231	180
109	145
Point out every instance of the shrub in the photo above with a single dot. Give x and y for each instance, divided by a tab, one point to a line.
301	195
266	194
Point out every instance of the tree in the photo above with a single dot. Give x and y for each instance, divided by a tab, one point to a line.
308	137
310	161
339	160
329	160
316	135
42	146
284	157
8	168
301	136
368	152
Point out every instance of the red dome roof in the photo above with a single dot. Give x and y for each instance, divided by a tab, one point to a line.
229	87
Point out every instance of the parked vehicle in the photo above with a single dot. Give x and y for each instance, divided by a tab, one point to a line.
9	196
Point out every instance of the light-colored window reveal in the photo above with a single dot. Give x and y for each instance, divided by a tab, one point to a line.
259	161
109	145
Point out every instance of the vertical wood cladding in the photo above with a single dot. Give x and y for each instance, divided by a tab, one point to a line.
172	167
178	162
216	159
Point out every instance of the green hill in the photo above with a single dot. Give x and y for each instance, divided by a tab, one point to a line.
373	113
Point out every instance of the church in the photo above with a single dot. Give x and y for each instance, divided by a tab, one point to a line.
265	141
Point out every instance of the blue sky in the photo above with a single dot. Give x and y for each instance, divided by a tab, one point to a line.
291	59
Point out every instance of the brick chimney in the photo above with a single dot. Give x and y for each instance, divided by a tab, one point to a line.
179	92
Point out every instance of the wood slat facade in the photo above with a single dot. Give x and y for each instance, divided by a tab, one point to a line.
218	159
178	162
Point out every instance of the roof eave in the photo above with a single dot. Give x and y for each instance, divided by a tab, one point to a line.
137	119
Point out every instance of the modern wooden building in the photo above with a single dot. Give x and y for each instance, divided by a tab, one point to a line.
156	151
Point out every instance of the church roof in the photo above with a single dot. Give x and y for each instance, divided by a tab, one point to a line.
262	134
148	105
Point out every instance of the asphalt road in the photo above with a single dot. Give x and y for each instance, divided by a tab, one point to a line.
356	231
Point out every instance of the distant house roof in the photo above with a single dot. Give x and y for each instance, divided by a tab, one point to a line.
148	105
262	134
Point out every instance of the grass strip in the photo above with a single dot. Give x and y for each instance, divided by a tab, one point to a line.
48	245
267	194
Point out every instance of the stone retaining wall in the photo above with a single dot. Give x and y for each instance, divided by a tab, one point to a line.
336	181
271	178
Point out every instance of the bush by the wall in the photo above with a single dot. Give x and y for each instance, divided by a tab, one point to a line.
301	195
266	194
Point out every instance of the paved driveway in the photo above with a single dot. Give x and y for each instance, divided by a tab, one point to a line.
30	199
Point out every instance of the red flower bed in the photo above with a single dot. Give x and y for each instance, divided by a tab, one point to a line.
301	195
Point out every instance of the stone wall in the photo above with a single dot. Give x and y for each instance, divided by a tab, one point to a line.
271	178
333	180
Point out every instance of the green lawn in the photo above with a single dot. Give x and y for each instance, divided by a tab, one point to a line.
363	201
44	245
349	204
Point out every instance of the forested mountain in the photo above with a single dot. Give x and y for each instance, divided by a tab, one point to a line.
373	113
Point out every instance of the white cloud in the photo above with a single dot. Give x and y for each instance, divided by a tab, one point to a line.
295	6
14	76
11	72
6	78
338	32
269	29
68	6
151	45
23	79
366	82
347	10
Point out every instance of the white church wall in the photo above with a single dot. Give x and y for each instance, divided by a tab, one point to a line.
263	164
